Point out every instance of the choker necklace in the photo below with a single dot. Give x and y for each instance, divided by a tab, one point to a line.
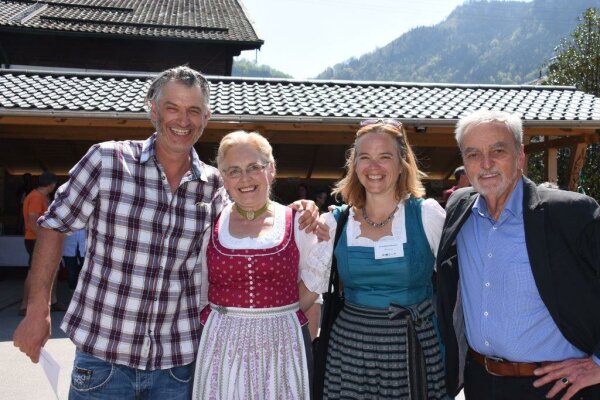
251	215
378	224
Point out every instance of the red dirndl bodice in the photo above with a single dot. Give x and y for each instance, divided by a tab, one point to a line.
254	278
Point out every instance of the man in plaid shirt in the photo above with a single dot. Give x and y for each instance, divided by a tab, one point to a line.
147	206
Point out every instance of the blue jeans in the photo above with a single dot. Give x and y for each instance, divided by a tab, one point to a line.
96	379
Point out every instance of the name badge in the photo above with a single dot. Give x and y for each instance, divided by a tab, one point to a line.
388	250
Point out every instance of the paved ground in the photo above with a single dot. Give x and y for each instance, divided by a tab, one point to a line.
21	379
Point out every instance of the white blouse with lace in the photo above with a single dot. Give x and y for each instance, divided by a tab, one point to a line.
433	216
312	276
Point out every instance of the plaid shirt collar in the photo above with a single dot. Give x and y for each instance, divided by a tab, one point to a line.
149	151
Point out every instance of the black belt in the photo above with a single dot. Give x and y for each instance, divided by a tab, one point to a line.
416	366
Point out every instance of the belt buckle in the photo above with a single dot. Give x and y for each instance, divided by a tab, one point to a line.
495	359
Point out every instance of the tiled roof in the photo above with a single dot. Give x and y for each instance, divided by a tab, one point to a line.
245	99
219	20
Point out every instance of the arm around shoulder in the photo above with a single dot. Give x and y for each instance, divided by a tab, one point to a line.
315	257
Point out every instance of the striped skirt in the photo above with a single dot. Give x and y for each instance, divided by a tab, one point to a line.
367	357
252	354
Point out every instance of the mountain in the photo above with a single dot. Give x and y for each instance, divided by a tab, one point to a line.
244	67
493	42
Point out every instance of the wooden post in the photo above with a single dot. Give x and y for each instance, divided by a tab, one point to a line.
576	164
551	163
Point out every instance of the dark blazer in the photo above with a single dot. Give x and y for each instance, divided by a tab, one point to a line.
562	235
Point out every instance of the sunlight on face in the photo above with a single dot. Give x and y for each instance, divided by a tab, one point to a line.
246	176
491	161
377	163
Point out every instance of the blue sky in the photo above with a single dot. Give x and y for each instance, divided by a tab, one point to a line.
303	37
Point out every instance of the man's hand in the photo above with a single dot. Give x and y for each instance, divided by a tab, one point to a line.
308	221
33	333
322	231
573	374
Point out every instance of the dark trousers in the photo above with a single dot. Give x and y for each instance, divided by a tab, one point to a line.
73	266
29	245
481	385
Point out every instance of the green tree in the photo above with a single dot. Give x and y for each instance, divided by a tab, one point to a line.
577	63
247	68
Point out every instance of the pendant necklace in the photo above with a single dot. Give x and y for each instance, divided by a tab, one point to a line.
381	224
251	215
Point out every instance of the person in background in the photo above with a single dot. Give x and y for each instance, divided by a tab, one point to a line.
35	205
523	321
321	200
74	256
25	188
254	343
302	191
461	179
383	343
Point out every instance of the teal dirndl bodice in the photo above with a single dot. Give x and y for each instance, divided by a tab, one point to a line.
403	280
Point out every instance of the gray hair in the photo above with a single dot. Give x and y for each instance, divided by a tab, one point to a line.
512	122
182	74
255	139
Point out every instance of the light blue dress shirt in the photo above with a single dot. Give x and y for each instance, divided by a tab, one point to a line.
504	314
74	242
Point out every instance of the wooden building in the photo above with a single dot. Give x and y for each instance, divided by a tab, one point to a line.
125	35
48	120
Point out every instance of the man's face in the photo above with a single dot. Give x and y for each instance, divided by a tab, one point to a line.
180	116
492	163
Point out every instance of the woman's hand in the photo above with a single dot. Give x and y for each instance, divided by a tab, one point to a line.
322	231
308	220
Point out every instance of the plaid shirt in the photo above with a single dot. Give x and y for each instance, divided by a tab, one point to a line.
137	302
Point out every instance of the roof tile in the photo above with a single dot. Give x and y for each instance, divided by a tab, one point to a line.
239	97
223	20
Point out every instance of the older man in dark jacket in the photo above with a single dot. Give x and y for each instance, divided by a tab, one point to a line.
523	320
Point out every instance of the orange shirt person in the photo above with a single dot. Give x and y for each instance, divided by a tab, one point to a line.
34	206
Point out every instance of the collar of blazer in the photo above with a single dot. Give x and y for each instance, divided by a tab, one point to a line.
460	205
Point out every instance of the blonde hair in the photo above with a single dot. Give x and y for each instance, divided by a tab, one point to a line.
243	137
409	181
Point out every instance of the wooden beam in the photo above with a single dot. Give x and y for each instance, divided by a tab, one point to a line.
576	162
561	142
313	162
70	132
555	131
48	121
551	165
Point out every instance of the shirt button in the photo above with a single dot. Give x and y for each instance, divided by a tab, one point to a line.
485	313
249	258
494	227
490	255
163	177
487	343
487	284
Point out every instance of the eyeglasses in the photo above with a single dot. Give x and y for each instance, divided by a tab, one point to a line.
252	170
384	121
